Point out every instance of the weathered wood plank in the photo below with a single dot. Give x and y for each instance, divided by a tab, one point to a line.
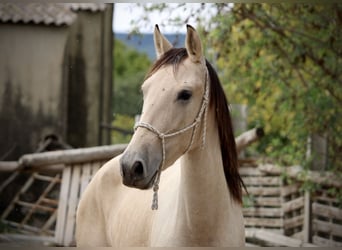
47	178
49	201
299	236
48	224
247	244
294	221
86	176
307	217
35	206
262	180
95	167
9	166
62	205
320	241
326	211
324	198
44	169
271	169
267	201
25	238
250	171
72	156
26	228
290	189
250	232
264	191
326	178
72	202
248	162
293	204
327	227
276	239
267	212
263	222
247	138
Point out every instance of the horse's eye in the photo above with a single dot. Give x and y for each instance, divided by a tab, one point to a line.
184	95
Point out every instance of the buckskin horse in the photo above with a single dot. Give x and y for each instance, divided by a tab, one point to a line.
184	148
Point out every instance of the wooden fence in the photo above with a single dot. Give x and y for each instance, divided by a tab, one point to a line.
39	196
276	204
45	202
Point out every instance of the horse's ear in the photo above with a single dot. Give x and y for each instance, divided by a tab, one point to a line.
161	44
193	44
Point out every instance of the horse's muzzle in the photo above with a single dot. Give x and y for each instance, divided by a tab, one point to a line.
134	172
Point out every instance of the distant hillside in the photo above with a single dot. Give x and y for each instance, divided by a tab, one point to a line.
144	42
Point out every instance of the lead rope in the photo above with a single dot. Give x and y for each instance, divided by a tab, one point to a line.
202	112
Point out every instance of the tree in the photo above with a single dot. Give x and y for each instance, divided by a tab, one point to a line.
283	61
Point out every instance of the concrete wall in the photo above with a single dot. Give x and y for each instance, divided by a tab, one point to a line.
55	80
106	97
90	69
32	102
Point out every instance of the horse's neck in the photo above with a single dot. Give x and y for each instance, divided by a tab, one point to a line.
204	198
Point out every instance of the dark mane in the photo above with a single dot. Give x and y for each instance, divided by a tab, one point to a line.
219	103
227	140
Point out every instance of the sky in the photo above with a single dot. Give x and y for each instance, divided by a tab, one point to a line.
124	13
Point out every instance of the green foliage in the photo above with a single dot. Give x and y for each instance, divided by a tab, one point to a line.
248	201
284	61
337	194
124	122
130	68
129	71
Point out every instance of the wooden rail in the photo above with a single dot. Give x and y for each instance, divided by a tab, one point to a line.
58	159
59	198
274	205
298	173
276	239
281	206
71	156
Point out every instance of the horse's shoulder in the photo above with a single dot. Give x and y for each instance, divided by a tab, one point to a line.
109	174
106	178
104	182
93	206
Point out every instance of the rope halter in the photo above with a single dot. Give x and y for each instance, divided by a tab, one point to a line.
162	136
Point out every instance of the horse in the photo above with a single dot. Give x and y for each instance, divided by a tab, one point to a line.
184	147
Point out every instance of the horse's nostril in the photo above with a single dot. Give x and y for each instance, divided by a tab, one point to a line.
138	169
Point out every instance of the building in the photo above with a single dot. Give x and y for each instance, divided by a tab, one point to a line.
55	75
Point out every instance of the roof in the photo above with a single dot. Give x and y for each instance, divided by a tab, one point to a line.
87	6
45	13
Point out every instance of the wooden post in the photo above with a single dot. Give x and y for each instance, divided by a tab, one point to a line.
247	138
307	218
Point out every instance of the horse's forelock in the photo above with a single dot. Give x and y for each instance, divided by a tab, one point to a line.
219	103
173	57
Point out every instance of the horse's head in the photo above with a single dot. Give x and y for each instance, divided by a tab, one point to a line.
175	101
